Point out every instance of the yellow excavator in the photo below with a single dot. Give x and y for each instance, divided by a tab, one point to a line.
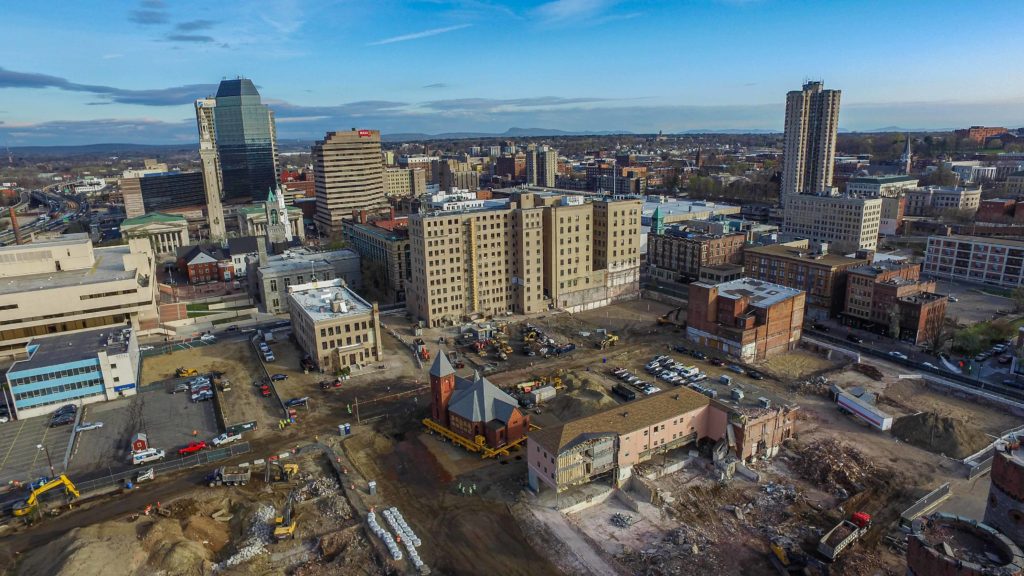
278	473
28	506
285	524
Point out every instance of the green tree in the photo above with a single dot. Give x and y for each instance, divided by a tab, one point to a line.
941	177
1018	299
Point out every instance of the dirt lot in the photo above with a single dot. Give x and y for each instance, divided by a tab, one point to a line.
329	539
239	364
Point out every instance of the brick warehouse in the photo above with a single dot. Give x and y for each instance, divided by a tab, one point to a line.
473	407
749	319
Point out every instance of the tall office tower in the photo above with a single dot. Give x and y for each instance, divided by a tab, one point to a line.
812	119
205	109
246	141
531	165
349	176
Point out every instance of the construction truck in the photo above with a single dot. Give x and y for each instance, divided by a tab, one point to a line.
843	534
285	524
29	506
186	372
278	473
229	475
787	558
609	340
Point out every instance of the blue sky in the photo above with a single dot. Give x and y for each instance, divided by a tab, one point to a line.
86	71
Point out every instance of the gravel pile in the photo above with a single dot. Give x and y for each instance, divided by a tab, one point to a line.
260	534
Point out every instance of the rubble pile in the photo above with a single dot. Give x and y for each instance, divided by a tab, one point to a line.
260	534
817	386
685	550
833	466
334	506
621	520
317	487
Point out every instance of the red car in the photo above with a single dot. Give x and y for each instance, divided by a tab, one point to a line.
265	391
192	448
328	384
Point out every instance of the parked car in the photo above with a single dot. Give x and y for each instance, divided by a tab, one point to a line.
297	402
1005	359
329	384
820	327
930	365
226	438
66	409
681	349
62	420
269	357
737	369
699	355
953	298
147	455
716	361
279	377
207	338
84	426
854	338
897	354
192	448
233	328
265	391
202	396
145	348
981	357
755	375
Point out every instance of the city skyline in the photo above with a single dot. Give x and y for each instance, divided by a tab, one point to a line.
438	67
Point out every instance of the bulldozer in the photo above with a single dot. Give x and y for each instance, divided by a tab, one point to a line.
285	524
609	340
185	372
278	473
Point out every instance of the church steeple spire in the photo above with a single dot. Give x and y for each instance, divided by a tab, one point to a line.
907	159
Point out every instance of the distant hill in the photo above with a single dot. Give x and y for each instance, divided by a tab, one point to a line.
101	149
510	133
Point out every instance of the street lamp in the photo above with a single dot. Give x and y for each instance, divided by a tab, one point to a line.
48	461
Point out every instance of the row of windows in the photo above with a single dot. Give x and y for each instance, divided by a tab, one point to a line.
53	375
57	390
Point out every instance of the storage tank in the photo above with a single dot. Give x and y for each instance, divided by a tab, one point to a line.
944	544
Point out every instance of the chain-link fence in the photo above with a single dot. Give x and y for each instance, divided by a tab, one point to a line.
197	459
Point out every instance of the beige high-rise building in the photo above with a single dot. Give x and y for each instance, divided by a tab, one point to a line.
541	165
405	182
349	176
453	174
812	120
541	250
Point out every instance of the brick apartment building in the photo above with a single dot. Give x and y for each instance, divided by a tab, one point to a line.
890	295
679	254
995	261
819	273
979	134
205	264
1000	210
746	318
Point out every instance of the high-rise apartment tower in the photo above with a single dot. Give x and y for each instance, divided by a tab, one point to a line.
812	120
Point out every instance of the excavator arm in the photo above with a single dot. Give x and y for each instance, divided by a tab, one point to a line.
30	504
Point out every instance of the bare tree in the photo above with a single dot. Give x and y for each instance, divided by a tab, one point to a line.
938	331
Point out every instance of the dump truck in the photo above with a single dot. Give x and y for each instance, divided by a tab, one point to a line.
843	534
229	475
186	372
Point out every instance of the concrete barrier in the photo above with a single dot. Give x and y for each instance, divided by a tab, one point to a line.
926	504
980	469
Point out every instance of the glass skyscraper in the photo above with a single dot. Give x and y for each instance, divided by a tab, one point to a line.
246	141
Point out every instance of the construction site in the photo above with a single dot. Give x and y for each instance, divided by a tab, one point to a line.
463	492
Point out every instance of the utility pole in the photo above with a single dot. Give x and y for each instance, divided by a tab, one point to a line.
48	461
357	410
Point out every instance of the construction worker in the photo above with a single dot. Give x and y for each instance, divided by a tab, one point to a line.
195	433
349	407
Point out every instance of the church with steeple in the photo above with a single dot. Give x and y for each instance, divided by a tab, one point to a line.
473	407
273	219
279	229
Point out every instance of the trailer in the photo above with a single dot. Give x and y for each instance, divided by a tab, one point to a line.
542	394
843	534
861	409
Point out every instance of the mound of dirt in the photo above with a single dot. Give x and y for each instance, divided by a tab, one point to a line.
119	548
584	401
940	434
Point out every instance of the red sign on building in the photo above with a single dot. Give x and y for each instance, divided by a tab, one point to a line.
364	133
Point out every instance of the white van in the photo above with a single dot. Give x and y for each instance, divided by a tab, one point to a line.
147	455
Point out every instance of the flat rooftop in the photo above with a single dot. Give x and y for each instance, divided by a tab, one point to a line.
879	267
882	179
676	207
302	259
981	240
74	346
109	267
317	302
623	419
759	292
803	254
64	240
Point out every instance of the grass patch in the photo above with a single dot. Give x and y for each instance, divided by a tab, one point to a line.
197	307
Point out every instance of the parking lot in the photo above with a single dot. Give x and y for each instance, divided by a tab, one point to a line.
168	420
972	305
20	457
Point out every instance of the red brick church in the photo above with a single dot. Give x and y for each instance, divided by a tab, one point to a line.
473	407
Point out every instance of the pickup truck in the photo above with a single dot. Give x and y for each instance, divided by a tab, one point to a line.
843	534
226	438
229	475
